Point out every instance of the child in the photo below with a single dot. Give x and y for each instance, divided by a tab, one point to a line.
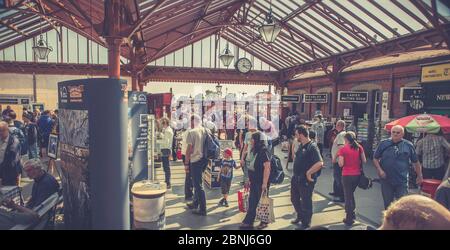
226	175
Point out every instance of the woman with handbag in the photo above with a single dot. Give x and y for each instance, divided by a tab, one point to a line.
351	158
258	173
166	148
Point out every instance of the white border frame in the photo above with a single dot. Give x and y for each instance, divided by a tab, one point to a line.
401	92
49	153
326	97
339	96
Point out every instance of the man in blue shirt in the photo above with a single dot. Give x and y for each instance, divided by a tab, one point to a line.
392	159
44	184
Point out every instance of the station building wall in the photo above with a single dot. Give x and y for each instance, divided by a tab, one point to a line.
46	87
389	78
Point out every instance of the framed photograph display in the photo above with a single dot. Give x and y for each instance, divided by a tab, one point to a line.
52	146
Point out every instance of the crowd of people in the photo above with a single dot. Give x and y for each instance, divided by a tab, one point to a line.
23	147
25	143
393	158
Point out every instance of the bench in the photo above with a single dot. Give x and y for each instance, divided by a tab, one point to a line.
46	212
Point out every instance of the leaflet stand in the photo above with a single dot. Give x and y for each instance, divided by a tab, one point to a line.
149	195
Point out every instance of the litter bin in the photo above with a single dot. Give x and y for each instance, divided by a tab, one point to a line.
429	187
149	205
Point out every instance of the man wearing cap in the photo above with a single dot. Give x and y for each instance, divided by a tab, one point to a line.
226	175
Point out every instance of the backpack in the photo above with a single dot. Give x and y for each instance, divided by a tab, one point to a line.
211	148
276	170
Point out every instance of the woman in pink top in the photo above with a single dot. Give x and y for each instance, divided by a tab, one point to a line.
350	158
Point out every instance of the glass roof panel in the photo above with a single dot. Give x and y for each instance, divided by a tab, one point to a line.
317	29
351	19
331	26
442	8
407	19
279	14
413	9
382	16
371	21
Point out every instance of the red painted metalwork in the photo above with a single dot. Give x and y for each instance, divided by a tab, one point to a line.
157	28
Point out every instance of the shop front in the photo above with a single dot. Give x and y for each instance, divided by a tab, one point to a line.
435	81
365	110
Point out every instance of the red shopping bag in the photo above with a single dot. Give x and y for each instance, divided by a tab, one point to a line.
179	156
243	199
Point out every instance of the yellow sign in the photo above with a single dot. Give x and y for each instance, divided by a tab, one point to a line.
435	73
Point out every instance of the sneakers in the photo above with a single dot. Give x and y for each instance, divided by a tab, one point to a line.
223	203
338	199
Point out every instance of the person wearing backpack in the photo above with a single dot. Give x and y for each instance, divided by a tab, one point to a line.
259	173
16	132
307	165
351	158
31	135
196	157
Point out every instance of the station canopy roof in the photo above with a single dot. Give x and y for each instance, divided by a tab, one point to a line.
314	33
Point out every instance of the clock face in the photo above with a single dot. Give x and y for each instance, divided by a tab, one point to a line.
243	65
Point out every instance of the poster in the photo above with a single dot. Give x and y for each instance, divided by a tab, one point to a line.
137	135
74	154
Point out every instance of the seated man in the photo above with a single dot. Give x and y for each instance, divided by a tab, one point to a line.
19	214
416	212
44	184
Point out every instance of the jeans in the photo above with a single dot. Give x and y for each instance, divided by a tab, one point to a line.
245	177
254	197
188	188
196	170
320	145
350	183
337	181
391	192
33	151
434	173
301	198
166	167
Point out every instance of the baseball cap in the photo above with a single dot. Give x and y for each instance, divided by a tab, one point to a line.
228	151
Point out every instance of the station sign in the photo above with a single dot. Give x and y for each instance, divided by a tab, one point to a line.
290	98
353	96
436	72
315	98
17	100
409	93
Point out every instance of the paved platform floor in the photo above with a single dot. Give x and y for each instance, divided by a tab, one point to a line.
326	212
369	203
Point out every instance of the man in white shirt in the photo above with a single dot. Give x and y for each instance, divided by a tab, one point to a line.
196	163
166	148
338	143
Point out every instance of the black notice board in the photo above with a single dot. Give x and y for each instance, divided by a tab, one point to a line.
315	98
353	96
290	98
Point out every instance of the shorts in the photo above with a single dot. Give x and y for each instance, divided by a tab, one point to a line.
225	184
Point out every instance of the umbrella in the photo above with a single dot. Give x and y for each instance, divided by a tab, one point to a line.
422	123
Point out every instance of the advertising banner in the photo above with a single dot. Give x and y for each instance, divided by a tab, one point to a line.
138	135
92	118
